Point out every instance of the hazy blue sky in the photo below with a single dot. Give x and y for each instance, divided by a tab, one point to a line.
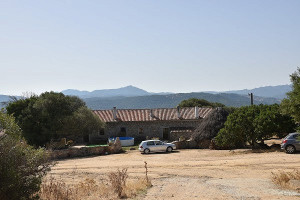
161	45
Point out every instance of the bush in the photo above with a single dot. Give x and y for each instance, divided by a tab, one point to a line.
254	124
21	166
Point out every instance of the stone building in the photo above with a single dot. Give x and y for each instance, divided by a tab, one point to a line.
163	123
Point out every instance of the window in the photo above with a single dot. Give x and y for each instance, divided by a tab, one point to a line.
150	143
141	131
296	135
158	143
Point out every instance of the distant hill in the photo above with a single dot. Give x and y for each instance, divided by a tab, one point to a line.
172	100
3	99
278	91
127	91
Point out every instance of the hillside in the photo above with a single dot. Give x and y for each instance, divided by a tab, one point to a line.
278	91
172	100
3	99
127	91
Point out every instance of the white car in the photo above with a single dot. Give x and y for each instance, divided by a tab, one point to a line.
148	146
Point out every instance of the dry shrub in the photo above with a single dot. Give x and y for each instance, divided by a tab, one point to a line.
116	186
118	181
135	187
283	179
87	189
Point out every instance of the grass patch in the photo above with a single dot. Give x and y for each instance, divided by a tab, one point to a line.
97	145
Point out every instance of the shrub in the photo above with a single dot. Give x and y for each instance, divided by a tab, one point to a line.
282	178
118	181
116	186
21	166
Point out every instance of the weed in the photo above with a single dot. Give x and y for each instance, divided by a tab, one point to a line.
118	181
283	179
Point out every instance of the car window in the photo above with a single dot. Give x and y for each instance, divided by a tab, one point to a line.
158	143
150	143
296	136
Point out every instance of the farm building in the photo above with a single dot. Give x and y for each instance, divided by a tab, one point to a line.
163	123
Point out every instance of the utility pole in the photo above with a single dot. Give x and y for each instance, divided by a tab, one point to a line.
251	98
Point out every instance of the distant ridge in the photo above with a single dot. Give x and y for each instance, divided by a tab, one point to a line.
172	100
278	91
127	91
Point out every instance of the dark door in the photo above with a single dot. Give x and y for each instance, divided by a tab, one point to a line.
166	133
122	132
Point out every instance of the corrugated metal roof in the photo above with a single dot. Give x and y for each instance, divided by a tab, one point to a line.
165	114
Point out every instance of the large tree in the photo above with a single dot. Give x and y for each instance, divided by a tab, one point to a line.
254	124
291	104
52	116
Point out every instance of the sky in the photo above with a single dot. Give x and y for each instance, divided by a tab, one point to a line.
156	45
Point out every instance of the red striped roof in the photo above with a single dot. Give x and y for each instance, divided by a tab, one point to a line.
128	115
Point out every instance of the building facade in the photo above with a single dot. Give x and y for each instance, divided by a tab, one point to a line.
163	123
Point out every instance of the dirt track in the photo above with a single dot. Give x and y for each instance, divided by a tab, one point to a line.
192	174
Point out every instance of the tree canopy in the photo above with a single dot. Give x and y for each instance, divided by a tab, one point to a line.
52	116
291	104
192	102
254	124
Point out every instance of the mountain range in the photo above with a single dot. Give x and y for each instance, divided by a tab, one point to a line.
133	97
278	92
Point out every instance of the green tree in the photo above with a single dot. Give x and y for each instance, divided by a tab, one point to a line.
52	116
192	102
21	166
291	104
254	124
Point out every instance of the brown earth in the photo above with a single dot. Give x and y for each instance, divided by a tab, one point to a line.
191	174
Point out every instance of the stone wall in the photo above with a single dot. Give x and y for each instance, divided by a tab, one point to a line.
86	151
150	129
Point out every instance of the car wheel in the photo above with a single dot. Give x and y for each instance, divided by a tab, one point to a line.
146	151
169	149
290	149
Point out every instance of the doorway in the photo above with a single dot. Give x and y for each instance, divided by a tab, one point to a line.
166	133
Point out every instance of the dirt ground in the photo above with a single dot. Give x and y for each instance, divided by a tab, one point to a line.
192	174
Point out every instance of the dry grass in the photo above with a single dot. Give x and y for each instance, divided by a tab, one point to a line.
118	181
116	186
283	179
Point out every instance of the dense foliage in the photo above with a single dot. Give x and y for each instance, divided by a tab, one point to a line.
52	116
21	166
192	102
254	124
291	105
